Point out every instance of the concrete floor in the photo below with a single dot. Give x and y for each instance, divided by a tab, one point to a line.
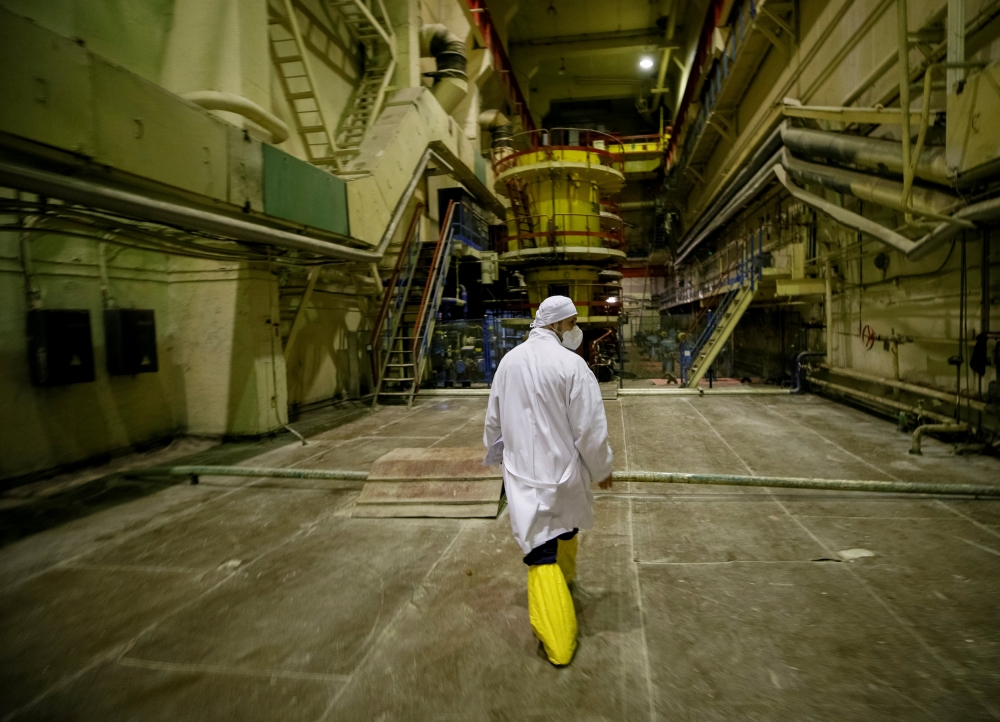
263	600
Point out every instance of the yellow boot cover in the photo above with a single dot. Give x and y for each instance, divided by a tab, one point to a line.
550	608
566	557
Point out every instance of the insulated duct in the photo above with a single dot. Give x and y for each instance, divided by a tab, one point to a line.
871	188
450	79
499	126
217	100
763	158
883	156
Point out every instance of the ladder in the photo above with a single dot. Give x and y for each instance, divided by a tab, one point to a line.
521	205
734	304
368	24
364	108
290	57
415	296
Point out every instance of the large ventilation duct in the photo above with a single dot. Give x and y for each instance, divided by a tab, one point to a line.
450	79
499	125
884	156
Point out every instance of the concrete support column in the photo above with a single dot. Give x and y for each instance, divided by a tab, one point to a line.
220	45
956	42
405	19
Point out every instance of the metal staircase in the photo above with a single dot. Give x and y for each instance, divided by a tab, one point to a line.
368	24
719	329
743	286
405	323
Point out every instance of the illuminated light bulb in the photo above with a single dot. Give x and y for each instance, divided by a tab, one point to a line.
612	299
646	63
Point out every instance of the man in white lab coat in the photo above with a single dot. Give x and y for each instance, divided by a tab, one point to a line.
546	404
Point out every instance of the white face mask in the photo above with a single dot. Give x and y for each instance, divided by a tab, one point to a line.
572	338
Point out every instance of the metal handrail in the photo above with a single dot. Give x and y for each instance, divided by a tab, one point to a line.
432	289
392	292
533	141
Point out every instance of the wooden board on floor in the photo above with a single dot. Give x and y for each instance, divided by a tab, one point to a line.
431	483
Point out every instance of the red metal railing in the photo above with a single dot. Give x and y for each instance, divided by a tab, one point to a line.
484	21
607	149
704	45
611	237
387	297
432	274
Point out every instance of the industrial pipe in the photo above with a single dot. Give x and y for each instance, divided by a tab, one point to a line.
217	100
97	195
872	188
919	432
988	210
762	159
450	79
637	205
904	386
883	156
781	482
197	471
799	386
499	126
663	477
847	391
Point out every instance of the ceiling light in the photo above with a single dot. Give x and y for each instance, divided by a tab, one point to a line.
646	62
551	10
562	67
612	299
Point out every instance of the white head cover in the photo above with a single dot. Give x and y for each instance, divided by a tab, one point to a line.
552	309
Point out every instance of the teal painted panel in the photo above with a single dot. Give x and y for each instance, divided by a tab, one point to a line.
299	191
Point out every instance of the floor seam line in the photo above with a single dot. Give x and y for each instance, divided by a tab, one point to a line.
898	617
226	669
120	650
829	441
403	607
968	518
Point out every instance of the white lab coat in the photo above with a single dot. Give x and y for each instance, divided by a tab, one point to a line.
547	405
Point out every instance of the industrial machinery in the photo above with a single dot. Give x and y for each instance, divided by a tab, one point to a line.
564	232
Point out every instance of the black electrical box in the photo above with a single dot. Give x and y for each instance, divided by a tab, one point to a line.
60	350
130	341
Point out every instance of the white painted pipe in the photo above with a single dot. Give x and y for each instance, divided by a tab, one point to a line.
663	477
133	205
217	100
919	432
904	386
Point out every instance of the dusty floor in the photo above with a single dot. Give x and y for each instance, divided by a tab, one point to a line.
264	600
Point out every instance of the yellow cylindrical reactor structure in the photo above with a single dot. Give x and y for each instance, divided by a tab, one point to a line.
561	230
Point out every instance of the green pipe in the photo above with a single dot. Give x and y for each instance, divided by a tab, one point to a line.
668	477
891	487
195	471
